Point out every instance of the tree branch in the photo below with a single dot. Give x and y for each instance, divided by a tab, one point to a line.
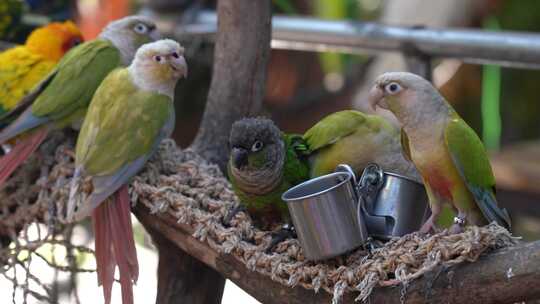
237	89
238	82
506	276
206	288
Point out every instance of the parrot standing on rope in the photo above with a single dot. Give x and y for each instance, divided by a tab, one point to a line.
264	163
131	113
22	67
61	99
447	152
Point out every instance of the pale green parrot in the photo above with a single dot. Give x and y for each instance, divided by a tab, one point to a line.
131	112
357	139
62	98
447	152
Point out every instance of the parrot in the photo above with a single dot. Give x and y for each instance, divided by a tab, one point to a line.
450	157
263	163
357	139
61	99
22	67
109	151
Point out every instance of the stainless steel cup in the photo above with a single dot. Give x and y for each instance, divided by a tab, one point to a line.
398	208
393	204
325	214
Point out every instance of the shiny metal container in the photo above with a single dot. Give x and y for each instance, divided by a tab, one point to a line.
398	208
326	216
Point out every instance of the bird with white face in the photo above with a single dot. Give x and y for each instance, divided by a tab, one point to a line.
61	99
446	151
131	113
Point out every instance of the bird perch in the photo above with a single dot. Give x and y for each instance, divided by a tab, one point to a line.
505	276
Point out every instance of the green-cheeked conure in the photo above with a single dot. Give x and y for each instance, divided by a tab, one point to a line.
131	112
264	163
357	139
447	152
62	98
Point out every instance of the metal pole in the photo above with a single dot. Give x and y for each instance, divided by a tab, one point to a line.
510	49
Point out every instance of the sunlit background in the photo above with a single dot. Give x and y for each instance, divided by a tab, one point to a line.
501	104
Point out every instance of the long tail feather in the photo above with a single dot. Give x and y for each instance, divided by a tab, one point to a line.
117	246
105	258
123	221
22	150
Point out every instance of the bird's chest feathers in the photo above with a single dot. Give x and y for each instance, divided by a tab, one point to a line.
435	165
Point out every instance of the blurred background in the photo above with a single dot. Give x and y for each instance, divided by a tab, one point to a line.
499	103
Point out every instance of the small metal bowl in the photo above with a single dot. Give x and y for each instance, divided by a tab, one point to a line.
324	211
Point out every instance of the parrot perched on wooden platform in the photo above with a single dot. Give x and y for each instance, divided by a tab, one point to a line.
131	113
264	163
357	139
23	67
62	98
447	152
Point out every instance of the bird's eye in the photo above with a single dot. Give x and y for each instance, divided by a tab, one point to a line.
175	55
392	88
141	28
75	42
258	145
157	58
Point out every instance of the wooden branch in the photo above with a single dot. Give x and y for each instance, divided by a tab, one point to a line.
237	89
507	276
206	288
238	82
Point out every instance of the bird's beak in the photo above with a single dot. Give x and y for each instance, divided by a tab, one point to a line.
376	96
239	157
180	66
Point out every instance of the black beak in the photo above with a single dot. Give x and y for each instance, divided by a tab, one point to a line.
239	157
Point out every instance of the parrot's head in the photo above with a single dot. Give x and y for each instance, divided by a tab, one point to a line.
257	150
409	96
130	33
54	39
159	65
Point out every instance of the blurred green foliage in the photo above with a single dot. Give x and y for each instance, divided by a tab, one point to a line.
520	104
10	17
491	93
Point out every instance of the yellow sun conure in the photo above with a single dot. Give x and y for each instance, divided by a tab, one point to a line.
22	67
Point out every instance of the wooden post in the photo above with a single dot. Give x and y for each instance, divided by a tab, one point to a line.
237	89
241	56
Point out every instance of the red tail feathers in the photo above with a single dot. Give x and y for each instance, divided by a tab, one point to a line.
115	245
20	152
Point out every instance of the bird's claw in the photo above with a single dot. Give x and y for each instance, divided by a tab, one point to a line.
287	231
231	214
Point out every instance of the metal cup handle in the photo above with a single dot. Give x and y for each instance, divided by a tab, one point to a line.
370	181
360	206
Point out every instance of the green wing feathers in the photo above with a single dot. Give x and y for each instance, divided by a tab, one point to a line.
296	165
471	161
333	127
406	150
111	136
78	75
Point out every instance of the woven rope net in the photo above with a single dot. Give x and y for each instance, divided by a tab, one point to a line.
194	192
29	229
